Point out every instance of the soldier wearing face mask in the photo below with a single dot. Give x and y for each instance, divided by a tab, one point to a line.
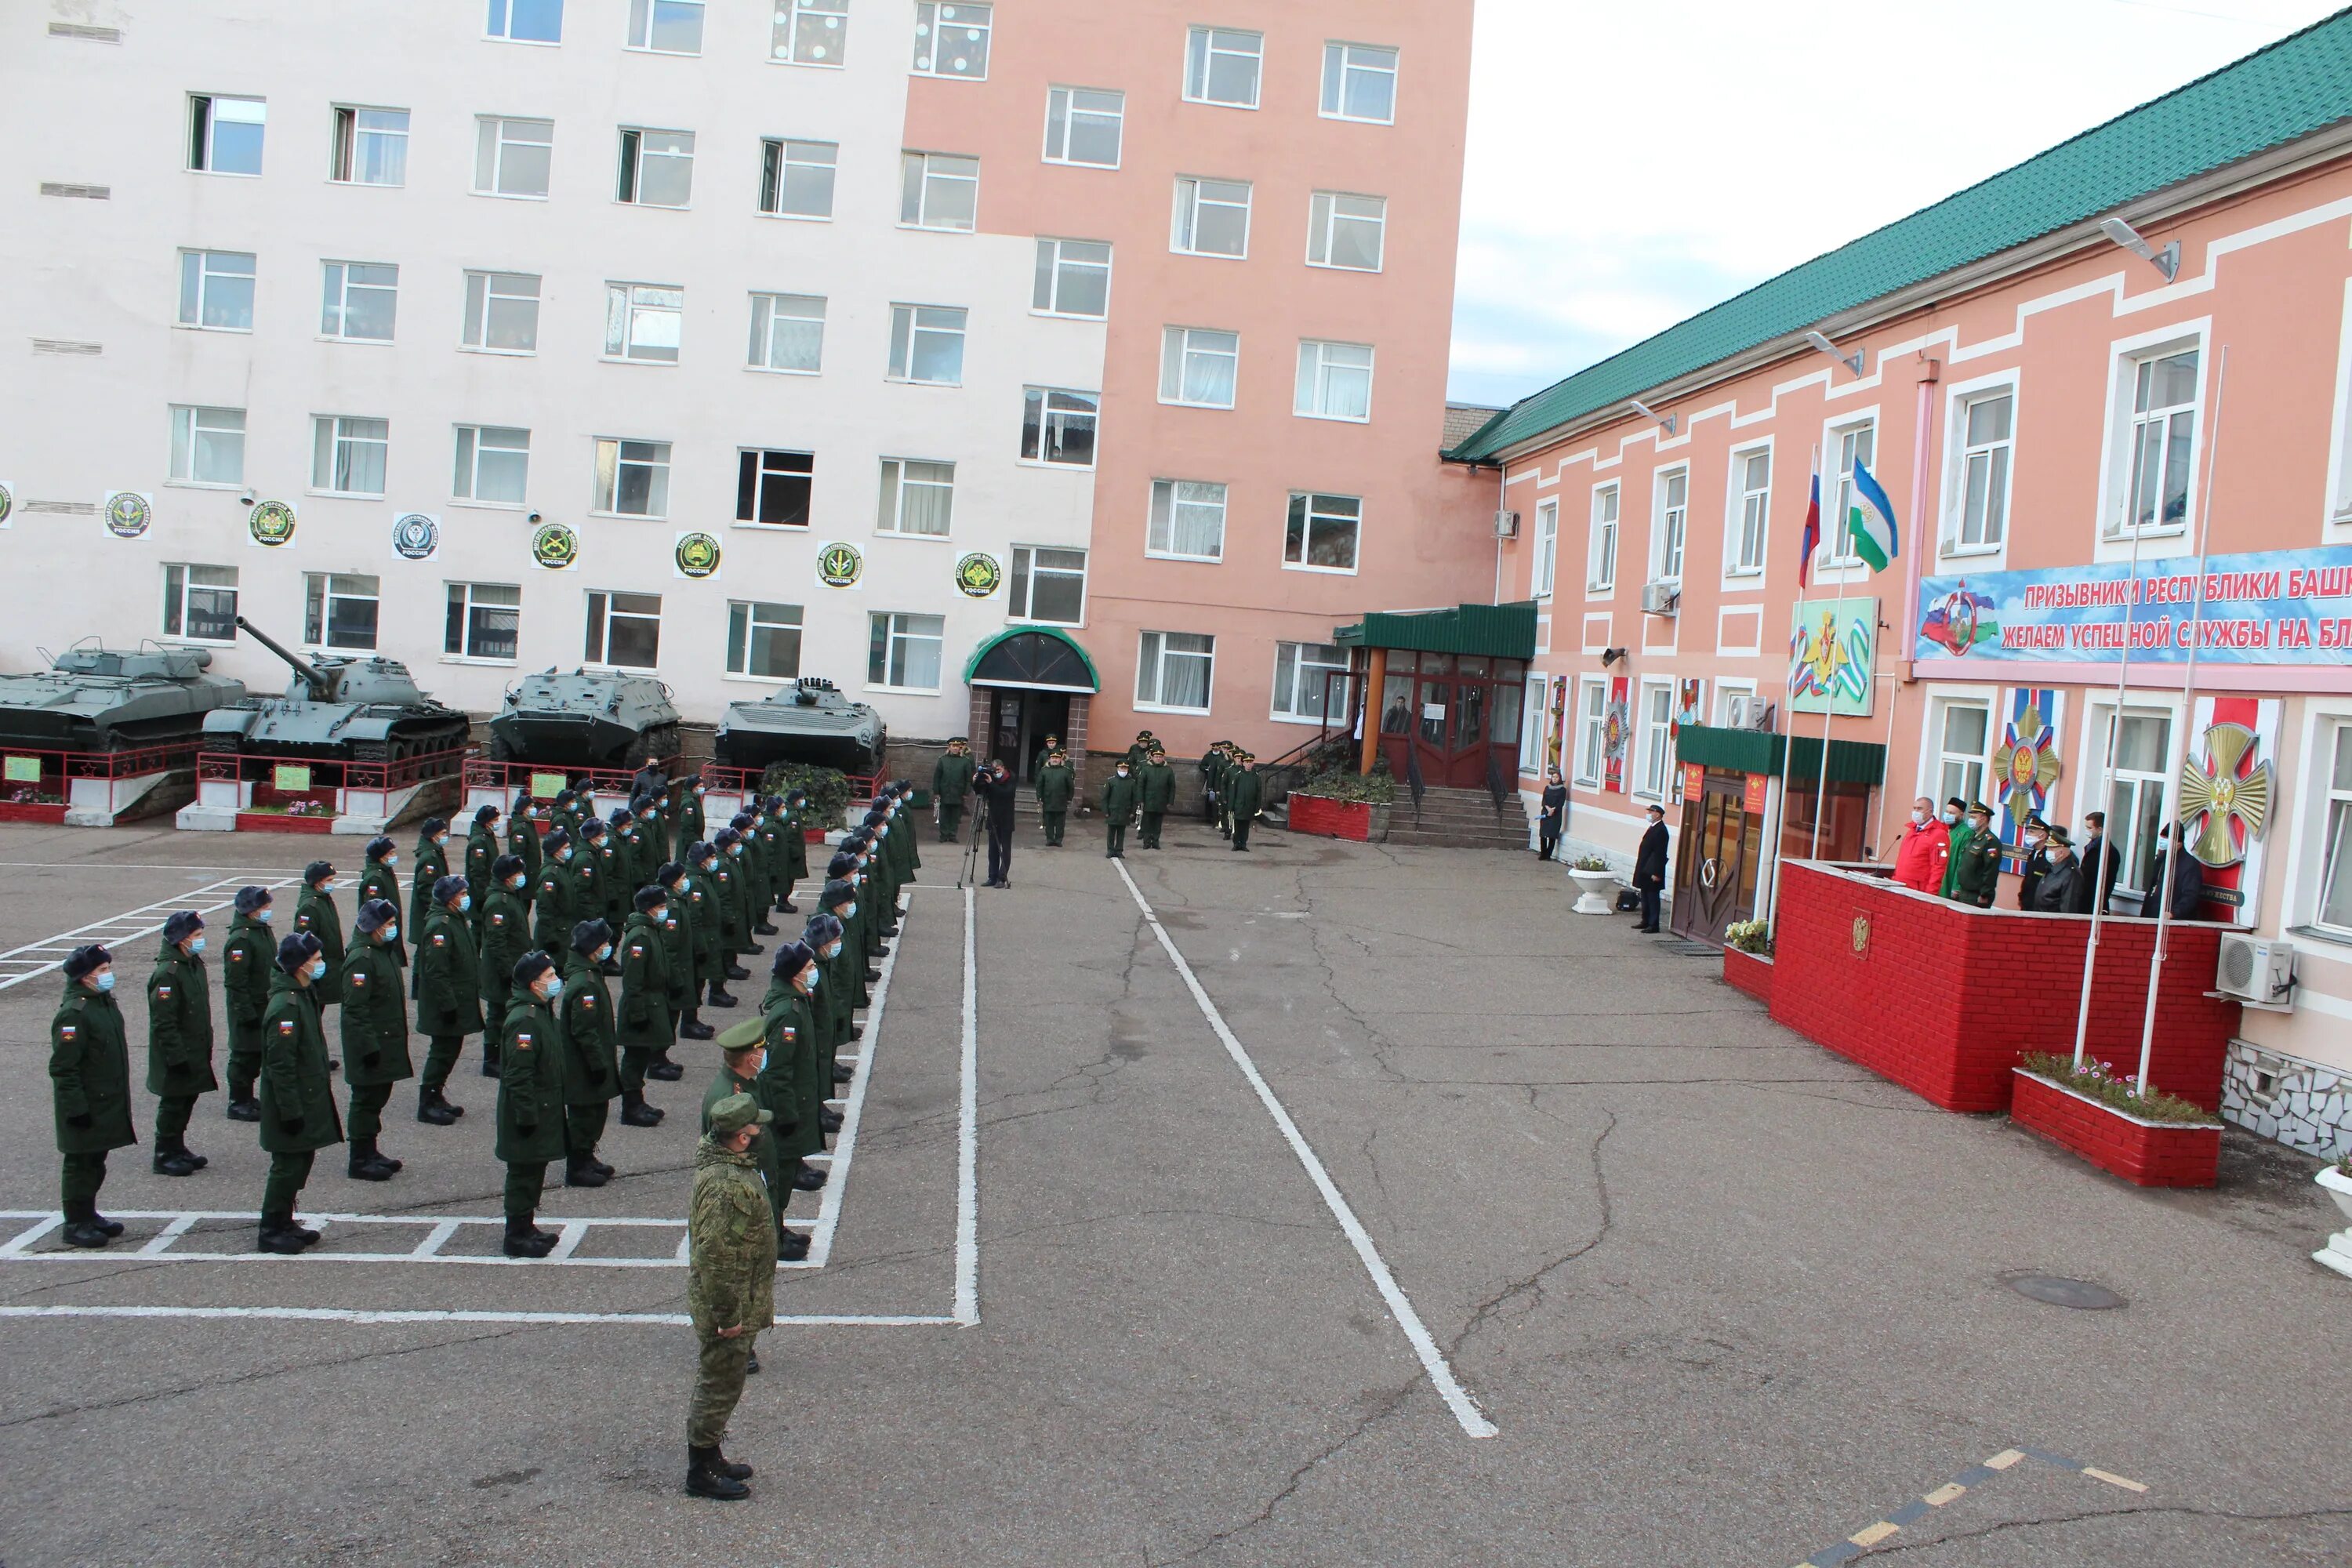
787	1083
179	1041
448	995
823	936
592	1070
743	1053
375	1035
315	915
552	919
2034	863
245	965
531	1101
432	865
646	1026
298	1095
502	933
523	834
381	879
1118	798
89	1084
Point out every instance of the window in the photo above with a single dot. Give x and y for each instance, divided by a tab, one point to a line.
224	133
1222	66
1591	732
2163	436
788	332
1751	497
1188	519
511	157
1979	508
526	21
1856	444
502	312
1963	733
2335	910
623	630
1360	83
1322	535
361	298
1601	553
1082	126
763	640
939	190
216	290
904	651
1174	669
347	455
493	464
810	32
339	610
483	621
1197	367
208	446
2136	808
951	40
918	498
1059	426
796	178
666	27
1048	585
1335	381
1532	725
1302	677
773	488
200	602
927	344
1657	745
657	167
1671	528
1213	217
371	147
1072	277
1546	560
633	477
643	321
1346	231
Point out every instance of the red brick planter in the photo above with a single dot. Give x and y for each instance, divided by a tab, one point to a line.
1331	818
1749	972
53	813
2147	1154
279	822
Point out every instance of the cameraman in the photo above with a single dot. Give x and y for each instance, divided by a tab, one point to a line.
995	787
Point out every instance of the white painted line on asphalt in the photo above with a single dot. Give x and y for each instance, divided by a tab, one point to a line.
967	1291
23	1239
845	1144
167	1236
36	959
440	1234
1466	1410
460	1315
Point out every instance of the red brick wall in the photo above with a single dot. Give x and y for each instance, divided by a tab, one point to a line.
1747	972
1944	997
2149	1156
1331	818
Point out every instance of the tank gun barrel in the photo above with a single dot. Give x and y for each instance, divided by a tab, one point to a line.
320	686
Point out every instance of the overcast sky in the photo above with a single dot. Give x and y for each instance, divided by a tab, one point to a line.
1631	165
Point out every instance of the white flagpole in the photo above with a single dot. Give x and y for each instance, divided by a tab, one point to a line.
1788	702
1829	707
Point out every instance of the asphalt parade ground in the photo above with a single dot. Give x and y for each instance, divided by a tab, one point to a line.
1331	1203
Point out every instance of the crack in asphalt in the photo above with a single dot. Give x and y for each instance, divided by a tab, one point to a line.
1534	1283
1297	1478
2125	1512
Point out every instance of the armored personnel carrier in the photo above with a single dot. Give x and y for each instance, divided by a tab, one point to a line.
93	699
337	709
586	720
809	721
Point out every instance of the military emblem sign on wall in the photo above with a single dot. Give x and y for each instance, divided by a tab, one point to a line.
129	514
695	555
270	523
7	504
555	547
2229	790
978	576
840	566
416	536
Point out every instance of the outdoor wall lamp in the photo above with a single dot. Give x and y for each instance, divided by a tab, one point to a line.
1609	656
1853	362
1665	421
2166	261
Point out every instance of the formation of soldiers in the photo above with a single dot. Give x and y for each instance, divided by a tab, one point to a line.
1138	793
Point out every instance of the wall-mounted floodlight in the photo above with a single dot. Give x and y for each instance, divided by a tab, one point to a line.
1853	362
1665	421
2166	261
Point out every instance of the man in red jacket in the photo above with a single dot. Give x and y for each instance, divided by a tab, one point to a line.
1924	850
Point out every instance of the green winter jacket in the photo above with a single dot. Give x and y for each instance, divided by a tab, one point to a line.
552	919
504	935
432	865
1119	797
1245	793
522	842
644	984
1158	781
315	913
481	854
592	1069
179	1025
298	1094
449	976
374	1018
531	1083
248	959
950	779
731	1280
763	1148
788	1084
1056	783
89	1073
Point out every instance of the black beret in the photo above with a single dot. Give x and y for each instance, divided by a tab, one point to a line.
649	899
790	959
297	951
590	935
250	899
530	967
380	846
836	893
182	925
506	865
447	888
642	803
564	797
374	915
317	871
82	960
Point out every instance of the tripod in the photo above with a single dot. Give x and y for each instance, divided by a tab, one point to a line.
970	851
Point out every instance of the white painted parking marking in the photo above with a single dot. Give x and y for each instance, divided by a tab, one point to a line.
463	1315
36	959
967	1291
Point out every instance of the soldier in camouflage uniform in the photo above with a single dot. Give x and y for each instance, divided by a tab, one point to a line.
730	1287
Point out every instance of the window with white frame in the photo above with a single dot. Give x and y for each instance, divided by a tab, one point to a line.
1963	737
200	602
1188	519
2334	910
927	344
493	464
951	40
207	446
1532	725
1983	425
1083	125
2161	442
774	489
370	146
939	190
224	133
1222	66
1175	670
1073	279
216	290
1213	217
1335	381
348	455
526	21
1344	231
1671	528
1303	680
1601	550
763	640
339	610
644	322
1657	744
657	167
512	157
788	332
810	32
666	27
1360	83
624	629
903	651
1853	443
1751	503
918	498
1320	535
1049	584
796	177
502	312
2137	806
1547	548
484	621
361	299
1592	731
631	478
1198	366
1058	426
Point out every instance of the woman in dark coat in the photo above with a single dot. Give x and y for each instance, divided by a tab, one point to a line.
1555	805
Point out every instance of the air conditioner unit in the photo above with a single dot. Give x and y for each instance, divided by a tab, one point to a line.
1507	525
1764	716
1658	599
2257	970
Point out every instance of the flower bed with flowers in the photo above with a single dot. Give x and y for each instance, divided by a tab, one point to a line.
2151	1139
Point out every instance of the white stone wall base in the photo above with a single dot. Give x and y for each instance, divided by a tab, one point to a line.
2336	1254
197	817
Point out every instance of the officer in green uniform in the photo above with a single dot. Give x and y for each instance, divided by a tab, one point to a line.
796	865
246	959
1976	864
789	1083
645	1029
743	1053
481	856
432	865
531	1100
179	1041
1247	790
550	896
381	880
730	1286
297	1093
950	781
1212	774
1139	750
1157	793
523	834
1119	797
448	995
375	1034
592	1069
502	935
315	915
1055	784
89	1084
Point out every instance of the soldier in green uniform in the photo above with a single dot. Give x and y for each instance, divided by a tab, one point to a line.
678	964
730	1286
89	1084
587	866
1119	797
1156	786
1212	768
531	1100
502	936
822	936
750	873
710	919
649	828
1055	784
297	1093
381	880
789	1084
375	1035
1247	789
1976	865
689	814
481	856
843	961
1140	749
315	915
621	878
432	865
563	813
645	1029
523	834
179	1041
796	865
551	895
881	872
245	974
950	781
592	1068
734	928
776	831
448	995
743	1053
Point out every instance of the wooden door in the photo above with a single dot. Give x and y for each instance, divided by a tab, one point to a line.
1717	862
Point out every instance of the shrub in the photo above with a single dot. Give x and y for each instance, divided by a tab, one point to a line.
1588	863
1750	936
2098	1081
1376	788
828	790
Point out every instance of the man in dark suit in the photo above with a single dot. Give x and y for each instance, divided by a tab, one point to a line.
2098	863
2187	883
1650	868
997	788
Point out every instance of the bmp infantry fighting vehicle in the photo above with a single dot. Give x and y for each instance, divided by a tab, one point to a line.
337	710
810	722
93	699
586	720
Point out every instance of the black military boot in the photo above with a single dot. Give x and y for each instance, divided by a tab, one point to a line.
791	1247
785	906
279	1236
247	1109
366	1164
434	1111
635	1113
842	1074
737	972
489	1060
524	1239
857	1031
751	947
580	1170
810	1179
82	1228
728	1468
664	1069
170	1161
180	1147
763	928
718	995
692	1027
829	1119
702	1481
873	974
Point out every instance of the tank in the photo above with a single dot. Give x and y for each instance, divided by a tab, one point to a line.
810	722
94	699
337	710
586	720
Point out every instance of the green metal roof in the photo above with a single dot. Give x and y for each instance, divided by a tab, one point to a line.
1764	752
972	665
2301	84
1494	631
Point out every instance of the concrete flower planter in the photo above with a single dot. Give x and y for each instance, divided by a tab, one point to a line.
2338	1253
1749	972
2146	1154
1598	890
